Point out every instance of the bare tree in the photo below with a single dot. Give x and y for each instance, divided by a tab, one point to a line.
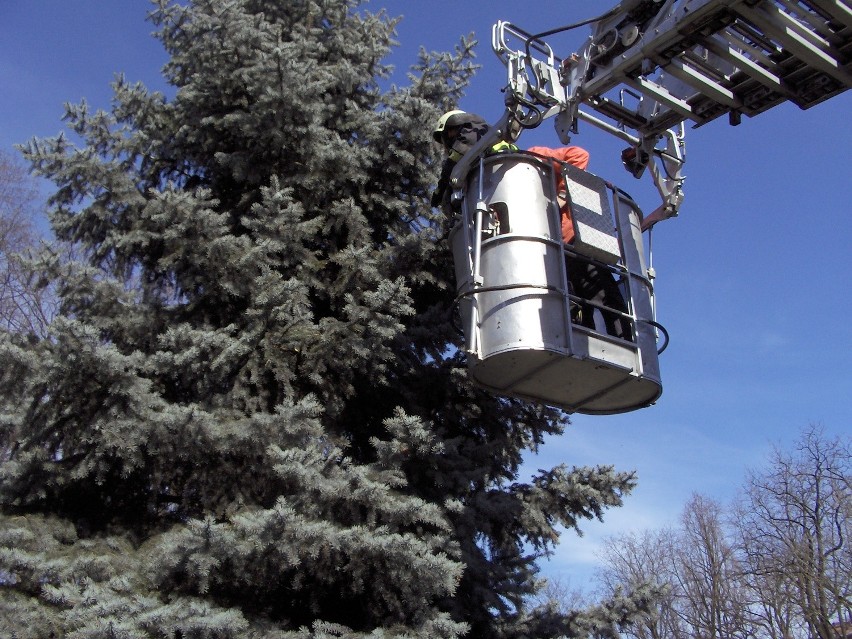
695	569
560	594
632	559
780	569
772	608
712	600
794	528
26	306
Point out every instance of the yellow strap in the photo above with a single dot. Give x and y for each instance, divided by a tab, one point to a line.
503	147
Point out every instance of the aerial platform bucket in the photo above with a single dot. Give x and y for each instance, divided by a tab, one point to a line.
514	297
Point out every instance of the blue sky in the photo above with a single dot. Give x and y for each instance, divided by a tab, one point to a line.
753	277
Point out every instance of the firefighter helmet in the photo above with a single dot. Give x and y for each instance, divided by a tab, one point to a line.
449	119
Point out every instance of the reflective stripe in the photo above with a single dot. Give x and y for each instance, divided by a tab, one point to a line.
503	147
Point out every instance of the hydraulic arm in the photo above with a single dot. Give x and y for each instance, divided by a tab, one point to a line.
650	66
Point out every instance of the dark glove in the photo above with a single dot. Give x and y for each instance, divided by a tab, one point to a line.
443	183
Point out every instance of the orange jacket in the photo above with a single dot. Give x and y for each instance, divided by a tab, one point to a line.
575	155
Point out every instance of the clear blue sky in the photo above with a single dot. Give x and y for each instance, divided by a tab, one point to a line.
753	278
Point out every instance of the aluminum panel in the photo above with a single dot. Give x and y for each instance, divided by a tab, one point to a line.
593	223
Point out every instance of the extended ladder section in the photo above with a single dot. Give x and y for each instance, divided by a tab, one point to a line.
652	64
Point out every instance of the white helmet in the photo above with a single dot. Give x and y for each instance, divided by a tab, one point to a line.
449	119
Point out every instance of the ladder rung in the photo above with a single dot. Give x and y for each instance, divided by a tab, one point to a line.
818	25
839	11
791	36
702	83
749	67
663	95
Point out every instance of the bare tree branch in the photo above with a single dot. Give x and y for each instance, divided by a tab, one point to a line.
27	304
794	524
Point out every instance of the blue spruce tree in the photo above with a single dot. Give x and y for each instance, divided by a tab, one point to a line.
250	418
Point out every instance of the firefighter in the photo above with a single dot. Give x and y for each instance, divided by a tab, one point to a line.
589	281
458	131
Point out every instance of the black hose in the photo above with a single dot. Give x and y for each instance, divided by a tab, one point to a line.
662	329
567	27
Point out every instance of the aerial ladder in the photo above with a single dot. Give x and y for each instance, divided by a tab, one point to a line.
649	68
